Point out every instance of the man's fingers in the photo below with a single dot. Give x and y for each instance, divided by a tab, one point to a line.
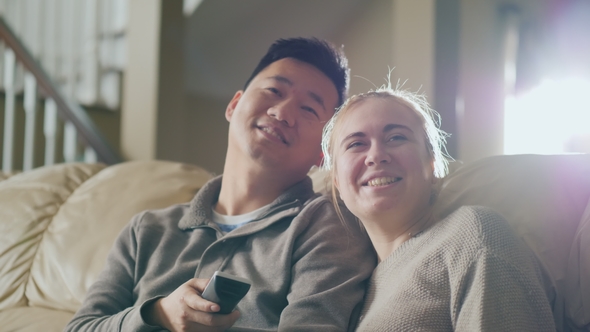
185	310
198	283
194	301
216	320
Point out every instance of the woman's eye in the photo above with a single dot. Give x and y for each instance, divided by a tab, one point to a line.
397	138
353	145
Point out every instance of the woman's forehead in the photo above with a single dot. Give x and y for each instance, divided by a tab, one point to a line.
378	110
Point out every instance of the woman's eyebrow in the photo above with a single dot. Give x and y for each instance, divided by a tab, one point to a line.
352	135
393	126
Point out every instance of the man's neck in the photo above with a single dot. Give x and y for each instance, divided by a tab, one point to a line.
245	189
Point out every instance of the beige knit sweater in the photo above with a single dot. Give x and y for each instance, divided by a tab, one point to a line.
468	272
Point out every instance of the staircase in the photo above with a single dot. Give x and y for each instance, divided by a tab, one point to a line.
67	134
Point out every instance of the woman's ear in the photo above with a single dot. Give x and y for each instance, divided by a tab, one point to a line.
335	181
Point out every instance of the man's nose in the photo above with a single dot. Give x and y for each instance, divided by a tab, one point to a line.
285	111
377	154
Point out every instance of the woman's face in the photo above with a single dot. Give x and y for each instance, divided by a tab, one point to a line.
382	164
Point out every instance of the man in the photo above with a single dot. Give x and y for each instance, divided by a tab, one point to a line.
260	220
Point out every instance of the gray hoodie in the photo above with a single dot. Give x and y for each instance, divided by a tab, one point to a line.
308	270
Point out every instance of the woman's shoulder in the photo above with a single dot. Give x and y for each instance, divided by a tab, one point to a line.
486	229
480	220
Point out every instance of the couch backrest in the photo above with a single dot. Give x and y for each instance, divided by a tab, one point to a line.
58	223
547	201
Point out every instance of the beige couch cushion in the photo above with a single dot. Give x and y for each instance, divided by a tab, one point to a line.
28	202
34	319
66	218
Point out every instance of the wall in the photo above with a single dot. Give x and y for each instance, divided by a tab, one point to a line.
481	81
206	132
368	45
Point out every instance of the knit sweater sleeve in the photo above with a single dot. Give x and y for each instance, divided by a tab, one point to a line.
497	294
109	303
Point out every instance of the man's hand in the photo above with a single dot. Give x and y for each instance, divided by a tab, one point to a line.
186	310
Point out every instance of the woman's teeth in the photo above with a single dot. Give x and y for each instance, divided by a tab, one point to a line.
382	181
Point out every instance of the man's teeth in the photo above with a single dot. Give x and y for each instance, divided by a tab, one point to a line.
272	132
382	181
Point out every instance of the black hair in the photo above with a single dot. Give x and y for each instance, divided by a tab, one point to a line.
318	53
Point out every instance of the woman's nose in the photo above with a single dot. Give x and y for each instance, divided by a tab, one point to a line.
285	112
377	154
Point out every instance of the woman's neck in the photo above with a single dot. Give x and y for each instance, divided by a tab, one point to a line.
387	235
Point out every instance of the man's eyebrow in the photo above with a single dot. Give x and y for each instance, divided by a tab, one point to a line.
281	79
287	81
318	99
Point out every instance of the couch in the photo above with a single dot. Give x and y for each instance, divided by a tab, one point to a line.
57	224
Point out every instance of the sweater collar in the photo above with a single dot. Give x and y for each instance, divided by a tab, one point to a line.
200	211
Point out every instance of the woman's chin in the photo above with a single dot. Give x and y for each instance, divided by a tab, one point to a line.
375	208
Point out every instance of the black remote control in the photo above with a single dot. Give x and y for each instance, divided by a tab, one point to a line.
226	290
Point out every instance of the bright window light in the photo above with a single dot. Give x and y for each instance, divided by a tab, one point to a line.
553	118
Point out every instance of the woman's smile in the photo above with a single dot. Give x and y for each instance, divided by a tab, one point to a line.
382	181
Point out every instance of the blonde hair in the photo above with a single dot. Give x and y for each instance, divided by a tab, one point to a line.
435	137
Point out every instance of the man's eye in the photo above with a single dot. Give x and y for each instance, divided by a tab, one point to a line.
311	111
274	91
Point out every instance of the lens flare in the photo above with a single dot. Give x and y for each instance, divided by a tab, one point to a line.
552	118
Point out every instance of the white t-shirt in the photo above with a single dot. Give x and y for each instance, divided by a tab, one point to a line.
229	223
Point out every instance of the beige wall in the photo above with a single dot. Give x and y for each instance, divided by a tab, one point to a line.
378	39
140	81
207	129
368	45
153	112
481	81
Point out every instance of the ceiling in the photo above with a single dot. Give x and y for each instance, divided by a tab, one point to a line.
224	39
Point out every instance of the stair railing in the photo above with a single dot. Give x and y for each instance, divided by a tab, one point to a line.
78	131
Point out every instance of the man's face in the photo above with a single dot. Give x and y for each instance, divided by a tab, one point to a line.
277	121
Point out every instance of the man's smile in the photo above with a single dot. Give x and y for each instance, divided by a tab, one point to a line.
274	132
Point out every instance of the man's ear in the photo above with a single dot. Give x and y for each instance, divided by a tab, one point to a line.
318	163
229	111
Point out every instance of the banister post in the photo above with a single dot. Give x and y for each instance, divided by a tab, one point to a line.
8	147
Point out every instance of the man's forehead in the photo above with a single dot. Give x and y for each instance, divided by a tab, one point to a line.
286	71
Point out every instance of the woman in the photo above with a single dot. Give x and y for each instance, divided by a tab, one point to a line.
463	272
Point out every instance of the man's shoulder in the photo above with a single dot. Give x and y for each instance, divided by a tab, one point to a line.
319	207
320	212
165	216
